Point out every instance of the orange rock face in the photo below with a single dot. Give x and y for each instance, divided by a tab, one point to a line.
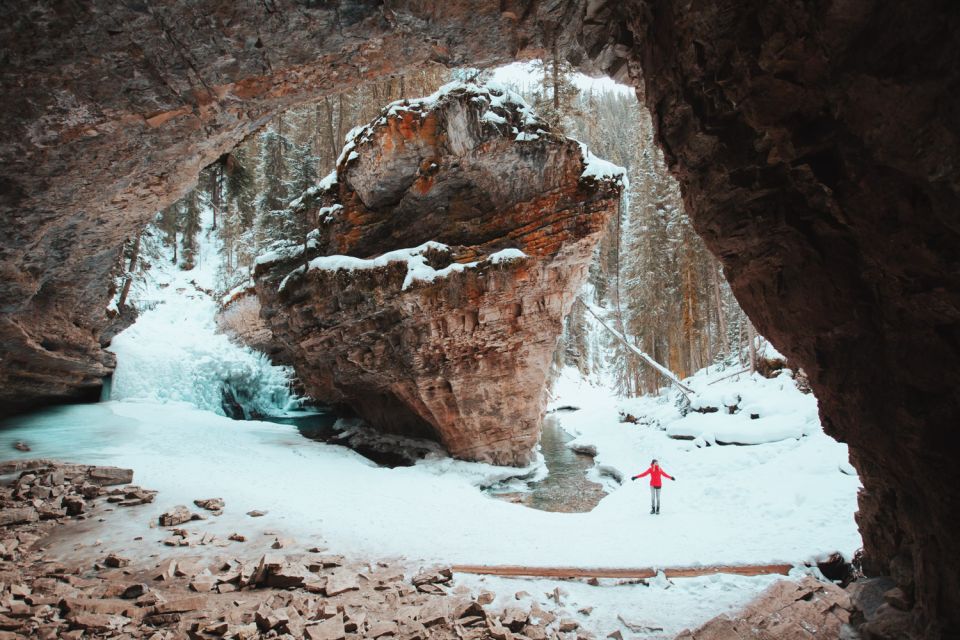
450	248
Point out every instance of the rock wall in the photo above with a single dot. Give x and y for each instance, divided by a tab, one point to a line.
816	145
452	241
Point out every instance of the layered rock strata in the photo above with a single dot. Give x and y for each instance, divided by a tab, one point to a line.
452	334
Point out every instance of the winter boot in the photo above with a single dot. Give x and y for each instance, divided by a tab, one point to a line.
652	511
657	511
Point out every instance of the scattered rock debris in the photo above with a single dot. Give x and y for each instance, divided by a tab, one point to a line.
317	595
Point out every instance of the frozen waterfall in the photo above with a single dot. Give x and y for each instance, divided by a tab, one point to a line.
173	353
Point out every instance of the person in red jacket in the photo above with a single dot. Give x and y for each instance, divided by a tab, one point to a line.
656	481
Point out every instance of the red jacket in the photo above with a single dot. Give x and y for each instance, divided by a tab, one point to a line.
656	474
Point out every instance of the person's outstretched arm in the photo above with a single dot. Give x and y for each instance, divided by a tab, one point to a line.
641	474
668	475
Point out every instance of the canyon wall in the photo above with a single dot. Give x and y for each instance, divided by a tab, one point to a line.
816	144
449	245
817	148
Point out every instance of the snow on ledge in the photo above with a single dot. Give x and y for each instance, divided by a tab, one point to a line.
237	292
506	255
600	169
286	252
415	257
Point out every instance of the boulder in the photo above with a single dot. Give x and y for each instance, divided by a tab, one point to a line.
75	505
177	515
286	576
449	246
331	629
115	561
106	476
341	582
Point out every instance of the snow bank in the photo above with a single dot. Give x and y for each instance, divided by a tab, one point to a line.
663	607
733	429
794	487
746	409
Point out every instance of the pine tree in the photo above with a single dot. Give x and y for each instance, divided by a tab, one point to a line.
189	222
557	100
168	222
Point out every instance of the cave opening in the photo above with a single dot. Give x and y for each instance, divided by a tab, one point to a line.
814	145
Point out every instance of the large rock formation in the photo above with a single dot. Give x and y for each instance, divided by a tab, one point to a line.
816	144
452	241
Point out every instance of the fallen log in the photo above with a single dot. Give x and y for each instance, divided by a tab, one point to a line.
622	573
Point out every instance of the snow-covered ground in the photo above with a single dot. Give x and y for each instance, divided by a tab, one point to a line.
325	495
660	608
788	500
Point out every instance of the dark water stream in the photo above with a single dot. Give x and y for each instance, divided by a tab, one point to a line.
566	487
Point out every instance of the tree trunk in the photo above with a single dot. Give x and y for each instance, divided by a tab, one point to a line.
339	139
721	317
662	370
752	339
556	77
128	281
217	188
332	141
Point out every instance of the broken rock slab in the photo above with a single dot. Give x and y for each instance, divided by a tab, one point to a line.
787	609
178	515
210	504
